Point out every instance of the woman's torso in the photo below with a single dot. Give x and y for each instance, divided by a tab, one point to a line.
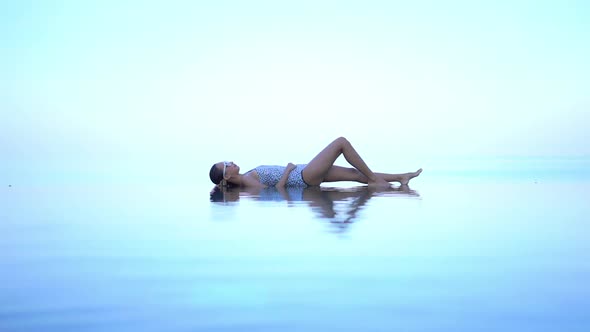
269	175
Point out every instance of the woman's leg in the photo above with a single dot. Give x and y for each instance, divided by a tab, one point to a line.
337	173
319	167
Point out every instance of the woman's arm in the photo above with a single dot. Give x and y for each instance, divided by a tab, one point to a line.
283	181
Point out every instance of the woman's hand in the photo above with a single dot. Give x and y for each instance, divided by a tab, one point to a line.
283	181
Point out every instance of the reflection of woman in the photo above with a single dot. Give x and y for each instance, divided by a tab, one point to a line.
320	169
323	200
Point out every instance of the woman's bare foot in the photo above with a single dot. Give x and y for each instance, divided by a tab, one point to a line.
379	183
405	178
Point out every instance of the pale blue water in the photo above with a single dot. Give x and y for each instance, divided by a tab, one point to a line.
458	252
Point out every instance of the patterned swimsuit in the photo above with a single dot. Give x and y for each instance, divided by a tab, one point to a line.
270	175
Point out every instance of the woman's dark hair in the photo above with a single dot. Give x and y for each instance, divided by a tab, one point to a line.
215	174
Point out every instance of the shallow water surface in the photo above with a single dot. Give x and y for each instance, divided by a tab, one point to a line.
445	254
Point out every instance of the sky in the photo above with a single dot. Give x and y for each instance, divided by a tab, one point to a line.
154	87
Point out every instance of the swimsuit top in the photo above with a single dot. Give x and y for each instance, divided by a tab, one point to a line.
269	175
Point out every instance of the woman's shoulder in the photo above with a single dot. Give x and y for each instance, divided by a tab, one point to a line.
251	178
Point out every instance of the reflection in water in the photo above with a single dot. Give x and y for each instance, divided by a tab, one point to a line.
339	206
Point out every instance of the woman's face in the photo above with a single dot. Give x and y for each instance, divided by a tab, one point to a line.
228	168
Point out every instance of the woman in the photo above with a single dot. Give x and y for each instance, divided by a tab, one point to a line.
320	169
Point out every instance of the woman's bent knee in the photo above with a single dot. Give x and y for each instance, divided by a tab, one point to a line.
342	141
